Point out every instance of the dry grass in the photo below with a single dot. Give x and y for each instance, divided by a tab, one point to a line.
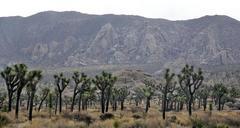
124	119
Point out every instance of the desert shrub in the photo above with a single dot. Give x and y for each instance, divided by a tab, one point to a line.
106	116
210	107
138	124
116	124
4	108
232	121
84	117
3	120
197	123
172	119
79	117
137	116
222	126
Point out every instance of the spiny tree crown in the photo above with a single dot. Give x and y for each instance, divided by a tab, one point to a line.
219	90
105	80
149	88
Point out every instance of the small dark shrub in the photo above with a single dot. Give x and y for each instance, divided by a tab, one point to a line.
79	117
137	116
106	116
173	119
222	126
116	124
84	118
197	123
3	120
138	124
4	108
232	122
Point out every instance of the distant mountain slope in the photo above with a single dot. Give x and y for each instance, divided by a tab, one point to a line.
54	39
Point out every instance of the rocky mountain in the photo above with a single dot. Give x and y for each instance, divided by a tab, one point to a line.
58	39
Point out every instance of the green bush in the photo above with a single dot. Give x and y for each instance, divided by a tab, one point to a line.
138	124
3	120
222	126
172	119
4	109
116	124
106	116
81	117
197	123
210	107
137	116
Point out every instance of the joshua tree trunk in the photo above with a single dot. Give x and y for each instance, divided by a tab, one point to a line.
136	102
114	105
30	107
190	105
122	104
219	103
83	104
181	105
18	102
60	102
108	99
17	105
10	102
178	106
107	104
79	102
147	104
46	103
164	104
73	102
199	103
204	104
102	102
40	105
28	101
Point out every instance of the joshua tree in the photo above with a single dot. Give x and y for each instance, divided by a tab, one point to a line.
115	97
203	94
138	96
180	98
190	81
21	72
84	91
67	100
61	83
88	94
28	94
77	88
102	83
234	92
33	78
219	90
168	88
43	95
108	95
11	81
123	93
148	92
35	102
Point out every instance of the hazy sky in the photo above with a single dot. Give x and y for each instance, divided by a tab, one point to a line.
169	9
